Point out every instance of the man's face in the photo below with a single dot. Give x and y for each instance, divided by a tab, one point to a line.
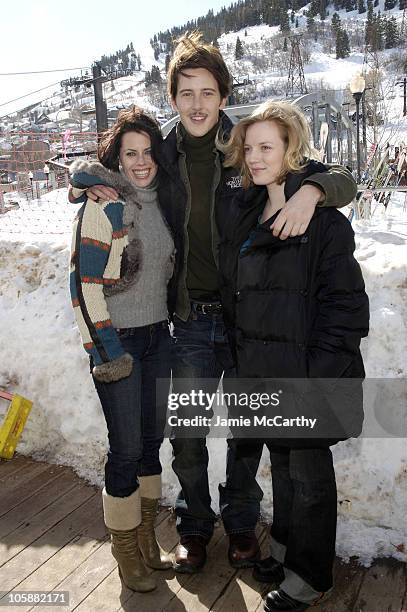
198	101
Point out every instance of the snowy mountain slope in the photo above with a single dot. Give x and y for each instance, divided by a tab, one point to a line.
261	44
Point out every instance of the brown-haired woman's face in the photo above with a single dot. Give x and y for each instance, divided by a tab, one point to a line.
136	158
264	151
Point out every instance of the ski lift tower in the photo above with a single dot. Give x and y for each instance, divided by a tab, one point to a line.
296	80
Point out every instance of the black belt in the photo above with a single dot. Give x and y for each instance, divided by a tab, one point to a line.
207	308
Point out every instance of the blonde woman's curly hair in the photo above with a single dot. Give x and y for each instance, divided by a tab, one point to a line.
294	130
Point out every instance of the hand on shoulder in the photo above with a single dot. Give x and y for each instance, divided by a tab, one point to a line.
294	217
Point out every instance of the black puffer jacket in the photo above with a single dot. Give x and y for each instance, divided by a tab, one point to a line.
295	308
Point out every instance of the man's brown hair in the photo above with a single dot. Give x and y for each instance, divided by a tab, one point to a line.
192	52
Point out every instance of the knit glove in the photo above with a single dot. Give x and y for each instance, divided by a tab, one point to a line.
114	370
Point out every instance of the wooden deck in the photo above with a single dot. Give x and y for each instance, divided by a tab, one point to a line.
52	537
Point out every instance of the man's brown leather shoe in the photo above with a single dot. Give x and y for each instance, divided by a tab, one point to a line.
190	554
244	549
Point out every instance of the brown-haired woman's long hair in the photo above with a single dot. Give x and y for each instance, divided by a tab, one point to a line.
192	52
133	119
294	130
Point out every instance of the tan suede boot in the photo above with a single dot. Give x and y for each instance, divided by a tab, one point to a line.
153	555
122	518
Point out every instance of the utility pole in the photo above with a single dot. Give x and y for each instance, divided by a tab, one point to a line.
296	79
364	124
404	84
328	145
315	123
100	104
97	82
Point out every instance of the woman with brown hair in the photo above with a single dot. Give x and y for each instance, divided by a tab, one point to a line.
121	269
294	309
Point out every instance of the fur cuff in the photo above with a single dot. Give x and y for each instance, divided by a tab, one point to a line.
107	177
121	513
114	370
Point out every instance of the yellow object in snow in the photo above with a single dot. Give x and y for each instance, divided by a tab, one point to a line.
13	424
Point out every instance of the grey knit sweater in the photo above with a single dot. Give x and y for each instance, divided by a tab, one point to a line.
145	302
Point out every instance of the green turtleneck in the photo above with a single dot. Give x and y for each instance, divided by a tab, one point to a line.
202	274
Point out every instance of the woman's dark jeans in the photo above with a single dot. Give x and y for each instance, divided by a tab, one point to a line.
135	411
304	511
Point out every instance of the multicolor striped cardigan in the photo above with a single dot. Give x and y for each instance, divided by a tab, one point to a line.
98	243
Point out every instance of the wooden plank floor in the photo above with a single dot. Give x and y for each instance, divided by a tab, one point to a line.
52	537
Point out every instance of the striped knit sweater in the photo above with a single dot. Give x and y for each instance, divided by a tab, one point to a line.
99	239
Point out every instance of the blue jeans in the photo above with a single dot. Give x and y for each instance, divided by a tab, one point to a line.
202	352
135	411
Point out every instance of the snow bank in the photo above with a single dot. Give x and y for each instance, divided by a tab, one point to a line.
42	358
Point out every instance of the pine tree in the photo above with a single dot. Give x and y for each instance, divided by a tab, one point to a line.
296	21
155	74
361	6
239	51
349	5
377	42
391	33
310	22
376	3
314	8
322	9
336	23
275	12
402	4
342	44
285	23
369	24
389	4
167	62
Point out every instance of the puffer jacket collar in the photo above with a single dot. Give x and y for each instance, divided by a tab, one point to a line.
252	201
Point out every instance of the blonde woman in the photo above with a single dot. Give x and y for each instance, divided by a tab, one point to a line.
294	309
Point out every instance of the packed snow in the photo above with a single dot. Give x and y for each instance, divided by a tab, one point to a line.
42	359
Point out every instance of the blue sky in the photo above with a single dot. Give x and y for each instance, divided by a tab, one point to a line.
45	35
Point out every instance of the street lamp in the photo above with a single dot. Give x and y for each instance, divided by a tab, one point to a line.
31	176
357	87
404	83
46	172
